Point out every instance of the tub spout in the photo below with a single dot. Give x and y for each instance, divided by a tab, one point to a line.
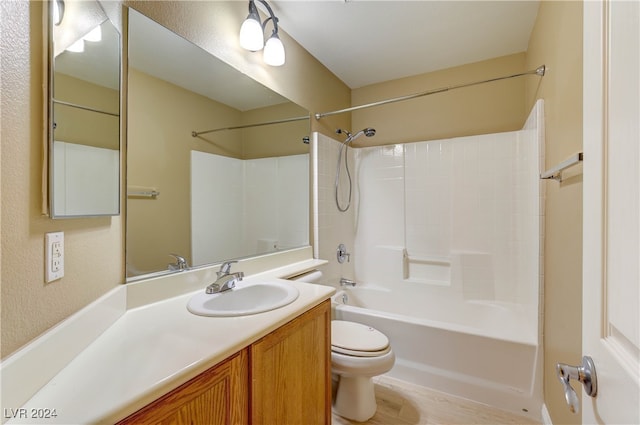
347	282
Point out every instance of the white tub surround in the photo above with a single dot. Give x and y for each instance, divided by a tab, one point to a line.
255	223
446	251
139	342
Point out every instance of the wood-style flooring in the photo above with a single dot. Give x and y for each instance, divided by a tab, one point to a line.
403	403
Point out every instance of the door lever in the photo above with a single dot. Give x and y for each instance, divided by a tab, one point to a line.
586	373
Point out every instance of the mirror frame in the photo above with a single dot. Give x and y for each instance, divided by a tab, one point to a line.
48	207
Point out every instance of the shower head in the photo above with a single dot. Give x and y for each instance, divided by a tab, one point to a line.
345	147
369	132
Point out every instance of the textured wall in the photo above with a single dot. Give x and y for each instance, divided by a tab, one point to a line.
557	41
481	109
93	247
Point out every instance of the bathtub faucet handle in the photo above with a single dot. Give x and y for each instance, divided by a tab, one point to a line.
342	254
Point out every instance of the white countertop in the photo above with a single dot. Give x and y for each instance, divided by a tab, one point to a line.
150	350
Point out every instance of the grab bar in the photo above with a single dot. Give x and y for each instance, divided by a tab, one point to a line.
555	173
142	192
148	194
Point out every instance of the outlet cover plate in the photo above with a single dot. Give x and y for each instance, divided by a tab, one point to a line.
54	256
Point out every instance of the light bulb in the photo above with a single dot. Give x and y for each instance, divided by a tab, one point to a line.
94	35
274	51
77	47
251	35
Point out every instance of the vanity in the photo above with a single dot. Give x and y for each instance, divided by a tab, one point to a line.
281	378
137	355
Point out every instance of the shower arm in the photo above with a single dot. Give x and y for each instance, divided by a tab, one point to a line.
539	71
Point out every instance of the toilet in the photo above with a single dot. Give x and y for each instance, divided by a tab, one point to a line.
358	353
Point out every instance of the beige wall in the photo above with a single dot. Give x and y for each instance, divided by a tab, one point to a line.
278	139
94	248
161	119
94	261
557	42
486	108
75	125
85	93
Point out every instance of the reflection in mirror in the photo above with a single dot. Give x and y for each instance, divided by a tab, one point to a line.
222	194
84	141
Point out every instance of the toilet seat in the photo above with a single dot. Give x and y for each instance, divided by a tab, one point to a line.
358	340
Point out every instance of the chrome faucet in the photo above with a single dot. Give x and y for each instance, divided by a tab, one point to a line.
347	282
226	280
225	268
180	264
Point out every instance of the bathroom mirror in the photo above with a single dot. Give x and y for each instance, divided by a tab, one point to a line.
84	111
239	187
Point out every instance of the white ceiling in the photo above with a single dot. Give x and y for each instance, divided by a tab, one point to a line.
369	41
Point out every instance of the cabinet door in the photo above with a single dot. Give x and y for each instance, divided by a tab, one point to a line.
291	372
217	396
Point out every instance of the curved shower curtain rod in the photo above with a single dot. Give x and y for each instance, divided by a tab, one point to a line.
260	124
539	71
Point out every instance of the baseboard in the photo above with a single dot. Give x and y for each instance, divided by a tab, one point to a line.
546	418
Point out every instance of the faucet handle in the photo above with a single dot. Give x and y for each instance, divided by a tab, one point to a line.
342	254
225	268
180	264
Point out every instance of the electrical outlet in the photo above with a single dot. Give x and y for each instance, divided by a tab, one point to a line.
54	256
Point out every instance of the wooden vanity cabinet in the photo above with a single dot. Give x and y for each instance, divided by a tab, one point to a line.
283	378
217	396
291	372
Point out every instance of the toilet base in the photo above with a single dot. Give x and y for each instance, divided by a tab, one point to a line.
355	398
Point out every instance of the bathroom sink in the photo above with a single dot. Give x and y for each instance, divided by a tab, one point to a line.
244	299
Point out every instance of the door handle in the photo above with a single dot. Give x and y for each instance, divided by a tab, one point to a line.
586	373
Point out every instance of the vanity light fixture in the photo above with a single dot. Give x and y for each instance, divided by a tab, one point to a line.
252	35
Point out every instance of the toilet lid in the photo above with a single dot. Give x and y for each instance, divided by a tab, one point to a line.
357	339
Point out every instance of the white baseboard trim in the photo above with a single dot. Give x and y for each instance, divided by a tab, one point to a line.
546	418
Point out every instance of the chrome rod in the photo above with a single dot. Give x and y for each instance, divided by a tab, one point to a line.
143	194
540	71
285	120
86	108
556	172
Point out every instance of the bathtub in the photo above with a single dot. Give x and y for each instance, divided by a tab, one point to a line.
478	350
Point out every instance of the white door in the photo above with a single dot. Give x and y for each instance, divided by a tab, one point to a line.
611	233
